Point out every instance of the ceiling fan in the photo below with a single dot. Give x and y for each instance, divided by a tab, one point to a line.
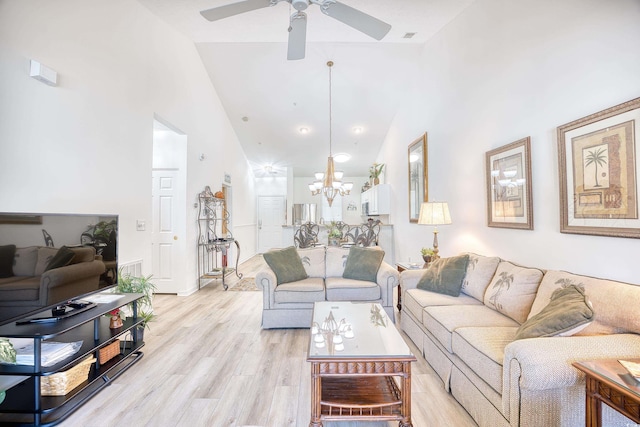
354	18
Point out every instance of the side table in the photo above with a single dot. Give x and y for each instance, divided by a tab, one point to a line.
609	382
402	266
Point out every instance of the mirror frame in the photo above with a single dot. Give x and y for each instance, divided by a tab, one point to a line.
418	143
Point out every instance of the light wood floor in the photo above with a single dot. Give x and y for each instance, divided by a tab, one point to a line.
207	362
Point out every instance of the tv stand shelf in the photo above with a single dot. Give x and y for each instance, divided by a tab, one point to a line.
24	403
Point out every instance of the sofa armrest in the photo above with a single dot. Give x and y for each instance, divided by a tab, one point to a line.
409	279
70	281
387	279
266	280
546	363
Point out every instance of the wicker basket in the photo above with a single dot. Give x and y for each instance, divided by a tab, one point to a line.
63	382
108	352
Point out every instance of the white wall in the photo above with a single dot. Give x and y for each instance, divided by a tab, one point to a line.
85	146
503	70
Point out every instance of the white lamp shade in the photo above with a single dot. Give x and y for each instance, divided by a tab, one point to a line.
434	213
338	175
312	187
317	185
336	184
319	176
348	186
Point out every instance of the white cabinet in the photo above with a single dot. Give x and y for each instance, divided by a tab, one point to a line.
378	199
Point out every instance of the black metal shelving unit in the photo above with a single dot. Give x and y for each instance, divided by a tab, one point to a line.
24	403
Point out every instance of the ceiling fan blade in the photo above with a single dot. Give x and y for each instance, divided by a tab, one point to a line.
297	36
232	9
367	24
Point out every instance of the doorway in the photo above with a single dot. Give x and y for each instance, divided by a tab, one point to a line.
271	218
168	195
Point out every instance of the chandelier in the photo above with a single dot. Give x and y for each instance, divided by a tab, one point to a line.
330	182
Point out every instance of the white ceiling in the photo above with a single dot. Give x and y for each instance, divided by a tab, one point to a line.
245	57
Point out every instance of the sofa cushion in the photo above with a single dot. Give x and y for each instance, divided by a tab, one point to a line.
482	349
45	253
568	312
363	264
24	263
341	289
305	290
286	265
445	275
443	321
415	300
615	304
512	290
336	261
60	259
480	271
24	288
313	260
7	255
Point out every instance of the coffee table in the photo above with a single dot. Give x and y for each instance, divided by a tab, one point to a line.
609	382
363	378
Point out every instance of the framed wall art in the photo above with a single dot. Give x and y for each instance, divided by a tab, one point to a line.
598	165
509	197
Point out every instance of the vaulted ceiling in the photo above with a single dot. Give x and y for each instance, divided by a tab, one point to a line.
269	99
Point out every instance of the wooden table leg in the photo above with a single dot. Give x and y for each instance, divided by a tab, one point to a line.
406	396
316	395
593	405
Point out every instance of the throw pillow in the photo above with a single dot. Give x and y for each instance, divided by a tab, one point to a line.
445	275
45	253
313	260
24	263
60	259
7	254
568	312
363	263
480	271
512	290
286	264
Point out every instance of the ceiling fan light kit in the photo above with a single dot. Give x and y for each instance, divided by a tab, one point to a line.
354	18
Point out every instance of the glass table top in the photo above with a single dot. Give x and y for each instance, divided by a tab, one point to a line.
363	330
612	370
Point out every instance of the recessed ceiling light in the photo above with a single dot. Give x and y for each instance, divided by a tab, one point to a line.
357	129
341	157
303	130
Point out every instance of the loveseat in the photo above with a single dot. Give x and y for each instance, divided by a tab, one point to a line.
504	347
30	284
290	304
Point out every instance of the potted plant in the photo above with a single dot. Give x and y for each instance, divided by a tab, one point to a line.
374	172
134	284
335	235
427	255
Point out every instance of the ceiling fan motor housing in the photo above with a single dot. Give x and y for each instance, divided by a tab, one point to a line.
300	4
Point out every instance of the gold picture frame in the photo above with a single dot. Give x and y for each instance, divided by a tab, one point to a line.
418	168
509	195
598	169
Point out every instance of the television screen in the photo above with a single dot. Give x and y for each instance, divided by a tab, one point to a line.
47	260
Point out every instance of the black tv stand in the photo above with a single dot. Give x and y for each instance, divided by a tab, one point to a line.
24	403
67	310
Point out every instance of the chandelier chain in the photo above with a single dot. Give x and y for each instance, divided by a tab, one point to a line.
330	64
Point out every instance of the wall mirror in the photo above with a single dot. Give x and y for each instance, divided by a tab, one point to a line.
418	179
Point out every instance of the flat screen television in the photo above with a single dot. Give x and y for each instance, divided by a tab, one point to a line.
38	276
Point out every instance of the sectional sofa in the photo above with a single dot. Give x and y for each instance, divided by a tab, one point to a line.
290	305
484	345
31	285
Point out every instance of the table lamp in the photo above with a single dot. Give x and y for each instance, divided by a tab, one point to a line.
434	213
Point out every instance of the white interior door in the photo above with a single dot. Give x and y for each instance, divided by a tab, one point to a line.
167	236
271	218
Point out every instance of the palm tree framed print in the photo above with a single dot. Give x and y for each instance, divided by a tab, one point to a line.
598	168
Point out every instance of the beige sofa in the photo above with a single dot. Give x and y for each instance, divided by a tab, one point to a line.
290	305
31	287
469	341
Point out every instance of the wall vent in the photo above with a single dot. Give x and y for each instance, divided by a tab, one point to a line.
408	35
133	268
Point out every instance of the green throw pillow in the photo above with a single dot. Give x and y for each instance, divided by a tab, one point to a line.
7	254
286	264
363	263
445	275
60	259
568	312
